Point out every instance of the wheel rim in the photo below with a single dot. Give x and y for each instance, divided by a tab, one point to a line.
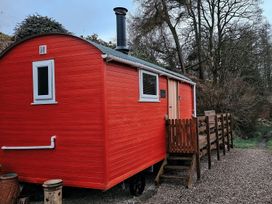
137	185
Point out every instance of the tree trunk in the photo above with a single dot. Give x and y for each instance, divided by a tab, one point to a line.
199	50
175	36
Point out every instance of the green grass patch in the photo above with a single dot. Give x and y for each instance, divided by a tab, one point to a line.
269	144
262	132
245	143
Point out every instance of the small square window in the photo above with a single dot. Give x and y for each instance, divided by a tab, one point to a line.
43	82
149	86
42	49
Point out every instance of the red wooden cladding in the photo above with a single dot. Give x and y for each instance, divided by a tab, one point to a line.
181	136
136	130
104	133
77	120
186	101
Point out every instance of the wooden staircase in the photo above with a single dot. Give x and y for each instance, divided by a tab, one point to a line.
190	139
182	152
177	167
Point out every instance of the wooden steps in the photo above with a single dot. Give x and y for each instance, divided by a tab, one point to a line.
190	139
182	158
177	167
172	177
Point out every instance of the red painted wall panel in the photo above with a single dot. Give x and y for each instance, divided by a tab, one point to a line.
136	130
77	120
104	134
186	100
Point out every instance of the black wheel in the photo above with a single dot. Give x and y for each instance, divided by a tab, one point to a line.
137	185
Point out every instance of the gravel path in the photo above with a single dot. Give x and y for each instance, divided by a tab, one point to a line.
242	176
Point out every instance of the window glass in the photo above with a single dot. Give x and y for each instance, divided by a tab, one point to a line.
149	84
42	80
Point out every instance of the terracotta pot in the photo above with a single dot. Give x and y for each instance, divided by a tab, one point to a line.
1	170
9	188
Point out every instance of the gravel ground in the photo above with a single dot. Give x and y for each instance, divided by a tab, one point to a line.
242	176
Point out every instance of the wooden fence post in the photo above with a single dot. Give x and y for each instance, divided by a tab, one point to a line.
223	133
231	130
217	138
198	170
208	142
228	138
167	121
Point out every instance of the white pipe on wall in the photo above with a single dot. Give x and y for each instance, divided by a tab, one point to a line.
51	146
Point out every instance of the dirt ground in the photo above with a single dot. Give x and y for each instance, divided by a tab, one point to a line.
242	176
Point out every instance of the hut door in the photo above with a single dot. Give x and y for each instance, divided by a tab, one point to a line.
173	99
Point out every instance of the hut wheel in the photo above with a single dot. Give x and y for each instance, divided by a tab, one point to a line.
137	184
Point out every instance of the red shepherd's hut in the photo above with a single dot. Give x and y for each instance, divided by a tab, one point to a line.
85	113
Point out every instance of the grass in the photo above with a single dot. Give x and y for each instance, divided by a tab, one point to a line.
254	139
269	144
245	143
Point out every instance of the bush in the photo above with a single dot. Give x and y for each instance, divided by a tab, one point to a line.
236	96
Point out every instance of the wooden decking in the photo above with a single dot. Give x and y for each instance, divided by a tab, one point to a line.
189	140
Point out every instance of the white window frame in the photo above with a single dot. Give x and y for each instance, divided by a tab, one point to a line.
44	99
148	97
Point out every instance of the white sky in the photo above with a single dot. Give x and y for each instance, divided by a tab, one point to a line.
83	17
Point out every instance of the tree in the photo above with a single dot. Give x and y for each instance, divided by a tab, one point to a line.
36	24
5	41
95	38
161	16
226	41
221	17
194	11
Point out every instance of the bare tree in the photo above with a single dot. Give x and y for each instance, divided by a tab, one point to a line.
157	15
221	16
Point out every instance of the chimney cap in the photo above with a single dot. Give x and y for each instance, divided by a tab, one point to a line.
120	10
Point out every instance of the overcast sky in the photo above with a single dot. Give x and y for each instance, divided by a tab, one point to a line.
82	17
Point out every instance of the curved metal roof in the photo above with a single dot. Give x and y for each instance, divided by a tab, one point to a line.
110	52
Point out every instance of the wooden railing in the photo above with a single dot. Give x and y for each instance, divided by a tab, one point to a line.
181	135
214	131
200	135
192	135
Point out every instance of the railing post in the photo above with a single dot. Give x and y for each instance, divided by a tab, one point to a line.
228	138
231	130
168	135
223	133
217	137
197	149
208	142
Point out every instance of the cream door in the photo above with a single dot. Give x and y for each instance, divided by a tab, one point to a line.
173	109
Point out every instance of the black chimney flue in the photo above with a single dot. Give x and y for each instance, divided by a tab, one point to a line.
121	29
